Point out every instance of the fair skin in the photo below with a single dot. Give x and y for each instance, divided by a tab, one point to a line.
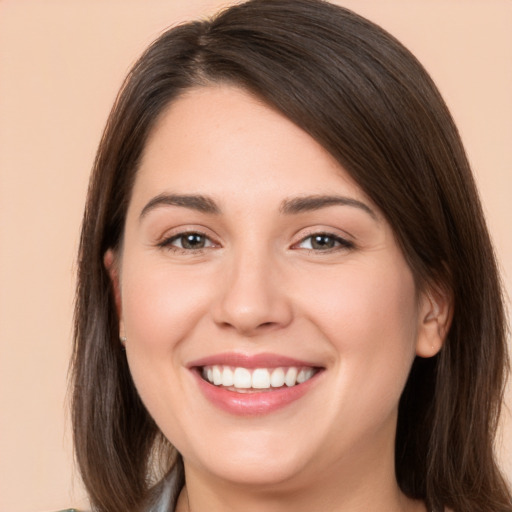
283	258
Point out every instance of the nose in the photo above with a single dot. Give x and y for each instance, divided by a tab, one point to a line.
253	298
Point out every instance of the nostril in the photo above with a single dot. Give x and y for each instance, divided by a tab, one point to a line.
265	326
250	307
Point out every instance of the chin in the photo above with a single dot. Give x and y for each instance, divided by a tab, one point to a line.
261	472
256	457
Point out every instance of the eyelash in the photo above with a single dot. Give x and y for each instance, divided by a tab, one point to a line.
340	243
168	242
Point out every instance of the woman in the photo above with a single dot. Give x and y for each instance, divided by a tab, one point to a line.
287	296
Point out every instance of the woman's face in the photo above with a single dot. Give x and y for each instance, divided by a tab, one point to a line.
271	319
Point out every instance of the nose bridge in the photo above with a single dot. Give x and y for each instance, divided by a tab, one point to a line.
253	296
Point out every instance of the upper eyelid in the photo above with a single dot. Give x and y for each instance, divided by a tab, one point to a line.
178	231
170	238
345	242
328	231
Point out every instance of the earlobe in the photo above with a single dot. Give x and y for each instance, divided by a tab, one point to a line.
111	264
435	319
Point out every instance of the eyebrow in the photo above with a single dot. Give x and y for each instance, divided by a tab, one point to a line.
205	204
199	203
311	203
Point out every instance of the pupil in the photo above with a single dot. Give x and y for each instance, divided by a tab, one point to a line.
193	241
322	242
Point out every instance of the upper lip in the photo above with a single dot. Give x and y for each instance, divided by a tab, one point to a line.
263	360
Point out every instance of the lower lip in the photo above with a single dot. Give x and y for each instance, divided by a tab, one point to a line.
256	402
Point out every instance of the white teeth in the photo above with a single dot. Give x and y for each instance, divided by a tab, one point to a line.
304	375
277	378
227	377
217	375
259	378
242	378
291	376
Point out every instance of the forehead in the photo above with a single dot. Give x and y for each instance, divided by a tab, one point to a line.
222	140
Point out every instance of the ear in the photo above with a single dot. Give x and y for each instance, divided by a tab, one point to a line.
112	266
434	321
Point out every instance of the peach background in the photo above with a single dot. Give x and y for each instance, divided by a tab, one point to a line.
61	63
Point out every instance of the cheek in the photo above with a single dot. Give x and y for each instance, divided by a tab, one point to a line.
369	316
162	308
161	305
363	302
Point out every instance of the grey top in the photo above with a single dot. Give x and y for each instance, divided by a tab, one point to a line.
167	496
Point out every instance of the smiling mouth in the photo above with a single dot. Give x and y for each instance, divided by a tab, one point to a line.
245	380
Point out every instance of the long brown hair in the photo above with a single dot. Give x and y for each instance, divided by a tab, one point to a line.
367	100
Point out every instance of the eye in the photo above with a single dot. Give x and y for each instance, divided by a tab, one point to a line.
190	241
324	242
